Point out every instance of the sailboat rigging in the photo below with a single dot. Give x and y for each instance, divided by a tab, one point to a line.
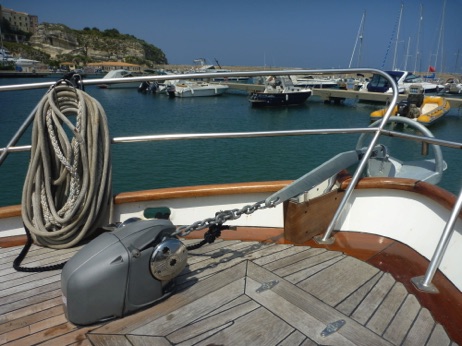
359	37
417	46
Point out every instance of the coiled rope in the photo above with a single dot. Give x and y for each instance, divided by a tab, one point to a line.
67	192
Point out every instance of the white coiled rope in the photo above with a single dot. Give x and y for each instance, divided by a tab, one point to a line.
67	192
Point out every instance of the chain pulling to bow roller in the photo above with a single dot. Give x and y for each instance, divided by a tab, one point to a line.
222	216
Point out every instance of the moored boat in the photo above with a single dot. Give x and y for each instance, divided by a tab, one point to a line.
198	89
423	109
404	80
363	249
453	86
314	82
118	74
279	91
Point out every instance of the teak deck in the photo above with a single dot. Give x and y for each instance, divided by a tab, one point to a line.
231	293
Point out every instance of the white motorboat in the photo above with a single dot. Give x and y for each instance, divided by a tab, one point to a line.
453	86
198	89
314	82
121	84
404	80
364	249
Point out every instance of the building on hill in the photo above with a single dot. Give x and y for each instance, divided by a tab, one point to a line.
19	20
107	66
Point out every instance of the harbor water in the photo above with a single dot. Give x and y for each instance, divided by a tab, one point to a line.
138	166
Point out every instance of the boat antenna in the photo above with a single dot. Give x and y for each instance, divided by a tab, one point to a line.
359	37
219	66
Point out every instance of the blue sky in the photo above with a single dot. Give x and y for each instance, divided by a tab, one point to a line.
283	33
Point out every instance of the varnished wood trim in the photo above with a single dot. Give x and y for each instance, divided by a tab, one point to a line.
200	191
15	240
436	193
10	211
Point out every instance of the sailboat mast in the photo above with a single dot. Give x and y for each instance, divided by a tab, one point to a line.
397	36
407	53
440	38
417	47
359	37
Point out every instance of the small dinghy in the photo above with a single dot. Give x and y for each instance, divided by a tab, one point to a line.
423	109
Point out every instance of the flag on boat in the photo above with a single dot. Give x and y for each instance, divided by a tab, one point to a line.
431	69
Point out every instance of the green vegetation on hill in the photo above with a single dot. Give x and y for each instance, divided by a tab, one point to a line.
56	43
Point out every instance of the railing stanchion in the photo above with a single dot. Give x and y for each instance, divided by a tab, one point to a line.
424	283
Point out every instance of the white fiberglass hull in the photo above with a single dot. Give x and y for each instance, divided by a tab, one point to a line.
200	90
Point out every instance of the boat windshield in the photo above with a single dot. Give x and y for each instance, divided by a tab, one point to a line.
412	78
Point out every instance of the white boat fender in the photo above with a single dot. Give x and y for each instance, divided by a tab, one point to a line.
122	271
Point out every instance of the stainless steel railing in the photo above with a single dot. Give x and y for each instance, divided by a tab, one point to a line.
423	282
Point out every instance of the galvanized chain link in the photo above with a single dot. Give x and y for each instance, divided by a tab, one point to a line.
222	216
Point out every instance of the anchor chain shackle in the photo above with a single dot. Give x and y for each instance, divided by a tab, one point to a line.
222	216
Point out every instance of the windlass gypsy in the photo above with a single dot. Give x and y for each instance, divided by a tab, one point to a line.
122	271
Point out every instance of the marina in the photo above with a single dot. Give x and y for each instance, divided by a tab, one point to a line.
220	217
339	95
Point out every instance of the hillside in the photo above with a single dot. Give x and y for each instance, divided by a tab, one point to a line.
58	43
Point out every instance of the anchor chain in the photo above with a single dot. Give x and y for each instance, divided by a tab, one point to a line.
222	216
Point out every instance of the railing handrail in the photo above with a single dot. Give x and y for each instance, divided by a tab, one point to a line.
199	75
424	283
288	133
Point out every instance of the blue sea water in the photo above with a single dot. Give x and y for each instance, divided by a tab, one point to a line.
139	166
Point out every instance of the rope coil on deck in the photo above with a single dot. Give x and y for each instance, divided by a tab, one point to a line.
67	190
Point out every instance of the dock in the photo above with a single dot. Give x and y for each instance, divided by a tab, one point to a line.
338	95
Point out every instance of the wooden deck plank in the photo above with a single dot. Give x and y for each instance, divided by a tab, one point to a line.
29	310
43	335
113	340
43	257
215	322
34	315
398	328
387	309
438	337
243	299
350	303
220	260
286	307
201	288
43	280
75	336
296	338
30	319
307	313
314	258
17	280
338	281
371	302
141	340
33	328
24	298
243	331
284	252
303	254
306	270
188	313
420	330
